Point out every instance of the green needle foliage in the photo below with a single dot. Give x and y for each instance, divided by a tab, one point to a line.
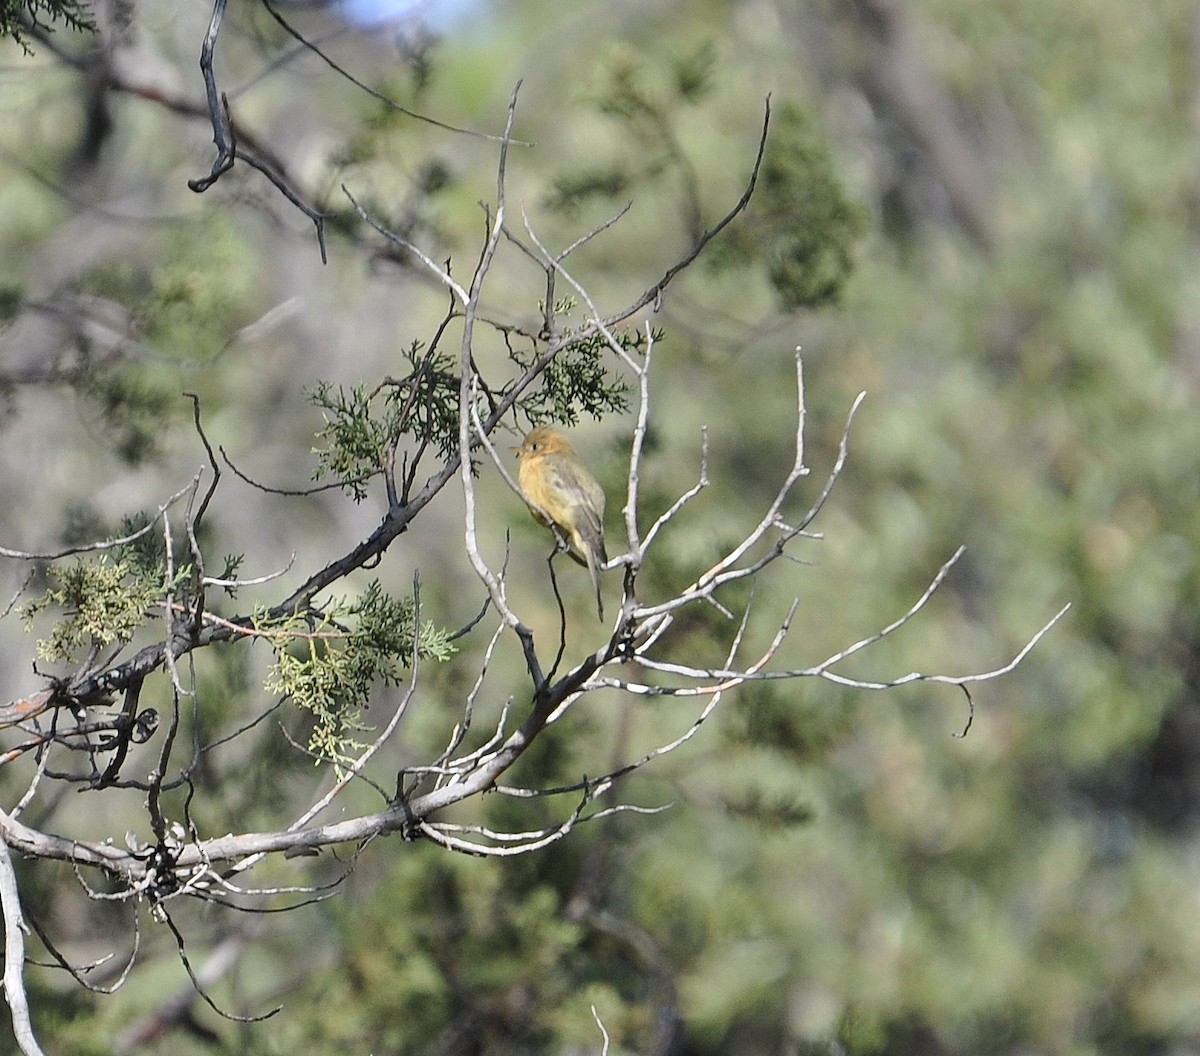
356	442
577	381
362	427
17	15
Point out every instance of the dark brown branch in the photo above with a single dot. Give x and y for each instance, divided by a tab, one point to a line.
296	35
653	293
217	111
199	984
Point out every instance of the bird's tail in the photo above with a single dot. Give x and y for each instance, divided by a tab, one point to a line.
593	565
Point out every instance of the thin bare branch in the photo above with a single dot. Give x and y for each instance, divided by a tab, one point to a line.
80	972
257	581
896	624
671	511
655	292
391	104
203	979
603	1032
467	397
176	1009
442	274
103	544
461	728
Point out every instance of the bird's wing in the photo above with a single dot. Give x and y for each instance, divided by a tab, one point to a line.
588	506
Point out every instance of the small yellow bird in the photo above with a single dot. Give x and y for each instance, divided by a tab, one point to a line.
558	486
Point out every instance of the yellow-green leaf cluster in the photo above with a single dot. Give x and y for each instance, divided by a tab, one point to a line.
330	663
104	602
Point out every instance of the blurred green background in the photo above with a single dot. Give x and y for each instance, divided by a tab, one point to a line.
985	215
